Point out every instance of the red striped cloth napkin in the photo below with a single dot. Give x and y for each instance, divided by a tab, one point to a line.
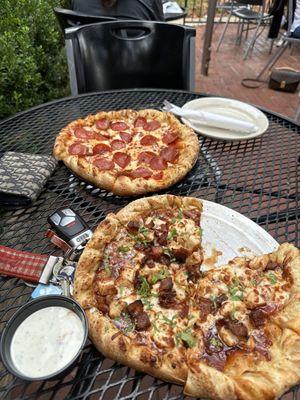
22	264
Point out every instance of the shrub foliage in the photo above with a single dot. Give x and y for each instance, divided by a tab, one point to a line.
33	66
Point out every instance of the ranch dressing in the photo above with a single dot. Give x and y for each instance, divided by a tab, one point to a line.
46	341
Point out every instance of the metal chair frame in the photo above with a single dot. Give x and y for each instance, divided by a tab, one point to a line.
259	18
287	40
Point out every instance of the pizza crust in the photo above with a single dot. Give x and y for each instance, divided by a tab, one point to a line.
250	377
171	365
247	376
123	185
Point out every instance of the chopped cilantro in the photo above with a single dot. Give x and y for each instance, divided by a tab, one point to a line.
123	249
138	238
146	302
171	321
199	231
154	326
272	278
187	337
236	293
144	289
143	230
180	214
254	282
172	233
216	343
159	276
173	220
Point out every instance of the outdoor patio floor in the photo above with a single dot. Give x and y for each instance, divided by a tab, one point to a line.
227	69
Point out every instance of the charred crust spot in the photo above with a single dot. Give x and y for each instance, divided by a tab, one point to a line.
122	344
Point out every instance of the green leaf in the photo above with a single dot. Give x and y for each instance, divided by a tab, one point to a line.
172	233
187	337
171	321
236	293
159	276
216	343
199	231
272	278
123	249
254	282
146	302
180	214
143	230
144	290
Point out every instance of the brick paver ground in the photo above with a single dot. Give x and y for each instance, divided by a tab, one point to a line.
227	69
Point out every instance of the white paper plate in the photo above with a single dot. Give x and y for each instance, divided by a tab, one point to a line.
232	234
228	108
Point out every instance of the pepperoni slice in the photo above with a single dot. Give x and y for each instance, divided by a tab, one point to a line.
141	173
119	126
158	176
126	137
99	136
145	157
169	154
103	164
158	163
102	124
169	137
151	125
140	122
101	148
117	144
121	159
78	149
148	140
82	133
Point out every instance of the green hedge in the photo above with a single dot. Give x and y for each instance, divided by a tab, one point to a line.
33	66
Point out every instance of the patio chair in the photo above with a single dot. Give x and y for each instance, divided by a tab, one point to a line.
226	7
287	40
158	55
249	15
68	18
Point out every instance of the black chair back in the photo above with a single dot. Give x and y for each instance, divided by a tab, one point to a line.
68	18
132	54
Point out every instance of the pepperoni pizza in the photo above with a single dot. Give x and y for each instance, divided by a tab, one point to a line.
128	152
228	333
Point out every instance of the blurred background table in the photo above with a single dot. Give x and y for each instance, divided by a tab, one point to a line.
258	178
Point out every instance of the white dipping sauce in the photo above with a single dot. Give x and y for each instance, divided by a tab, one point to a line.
46	341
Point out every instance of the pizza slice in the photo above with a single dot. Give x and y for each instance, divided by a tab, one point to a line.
135	279
246	324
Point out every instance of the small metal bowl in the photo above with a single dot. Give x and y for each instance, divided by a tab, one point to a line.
22	314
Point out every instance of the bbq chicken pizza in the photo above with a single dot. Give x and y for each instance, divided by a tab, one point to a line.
128	152
231	332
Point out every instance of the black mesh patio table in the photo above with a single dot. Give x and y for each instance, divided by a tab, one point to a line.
258	178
